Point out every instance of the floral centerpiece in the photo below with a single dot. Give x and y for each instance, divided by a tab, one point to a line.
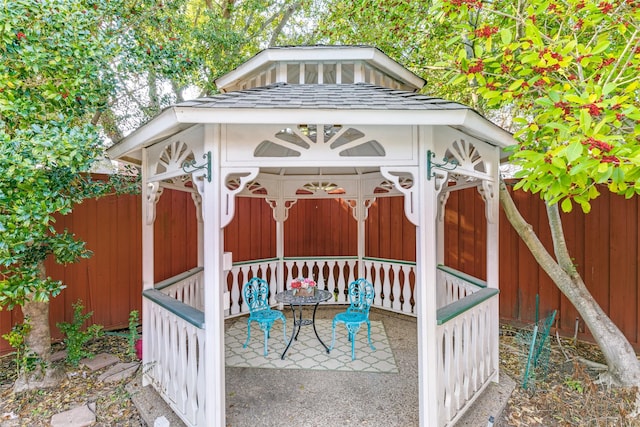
303	287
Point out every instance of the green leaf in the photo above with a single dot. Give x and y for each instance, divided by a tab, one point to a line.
601	47
574	151
566	205
505	36
608	88
516	85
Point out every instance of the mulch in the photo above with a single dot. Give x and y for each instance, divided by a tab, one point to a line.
81	386
568	392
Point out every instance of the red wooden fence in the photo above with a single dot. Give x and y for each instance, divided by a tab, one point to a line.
604	245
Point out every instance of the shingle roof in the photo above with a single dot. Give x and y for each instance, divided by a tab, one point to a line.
360	96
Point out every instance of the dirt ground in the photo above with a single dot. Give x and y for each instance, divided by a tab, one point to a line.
567	392
568	395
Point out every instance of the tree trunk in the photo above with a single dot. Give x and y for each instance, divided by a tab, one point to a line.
38	341
624	367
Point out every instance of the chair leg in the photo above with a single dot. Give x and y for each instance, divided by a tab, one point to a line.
369	336
353	348
246	343
353	330
266	340
333	336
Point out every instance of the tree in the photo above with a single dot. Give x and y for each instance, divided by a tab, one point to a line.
568	71
566	74
69	66
54	82
174	48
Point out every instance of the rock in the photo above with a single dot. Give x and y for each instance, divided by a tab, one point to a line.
76	417
99	361
119	372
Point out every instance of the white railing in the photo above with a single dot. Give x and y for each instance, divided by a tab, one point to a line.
240	273
186	287
467	324
332	274
468	332
393	280
394	284
175	351
454	285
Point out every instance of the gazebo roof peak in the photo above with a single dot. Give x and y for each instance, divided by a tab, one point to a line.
320	64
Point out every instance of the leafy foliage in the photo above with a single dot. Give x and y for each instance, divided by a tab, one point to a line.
25	359
569	72
76	338
133	336
55	79
403	29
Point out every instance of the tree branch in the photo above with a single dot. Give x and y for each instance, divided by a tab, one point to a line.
559	242
285	18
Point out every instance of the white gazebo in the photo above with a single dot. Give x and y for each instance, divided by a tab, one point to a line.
317	122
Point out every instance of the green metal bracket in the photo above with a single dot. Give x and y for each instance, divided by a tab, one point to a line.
446	164
191	164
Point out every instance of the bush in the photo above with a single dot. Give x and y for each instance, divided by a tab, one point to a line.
75	337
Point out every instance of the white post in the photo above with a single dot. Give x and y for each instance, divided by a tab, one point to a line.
280	249
148	279
426	261
213	280
492	202
197	202
360	217
280	214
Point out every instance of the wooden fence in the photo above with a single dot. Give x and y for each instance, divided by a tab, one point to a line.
604	245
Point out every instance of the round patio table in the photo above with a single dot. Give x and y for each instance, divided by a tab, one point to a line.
296	302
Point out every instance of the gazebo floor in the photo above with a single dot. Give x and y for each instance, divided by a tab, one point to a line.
286	397
292	397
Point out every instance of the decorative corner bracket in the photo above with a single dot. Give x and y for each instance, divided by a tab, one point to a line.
191	165
446	164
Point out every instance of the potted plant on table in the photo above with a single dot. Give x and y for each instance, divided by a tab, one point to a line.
303	287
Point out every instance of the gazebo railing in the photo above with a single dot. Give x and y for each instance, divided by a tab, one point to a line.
468	333
394	284
175	349
454	285
393	280
186	287
467	324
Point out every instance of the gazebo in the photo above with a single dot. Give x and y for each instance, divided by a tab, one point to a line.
341	122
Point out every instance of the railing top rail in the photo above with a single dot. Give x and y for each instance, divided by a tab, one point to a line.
464	276
391	261
302	258
456	308
177	278
255	261
180	309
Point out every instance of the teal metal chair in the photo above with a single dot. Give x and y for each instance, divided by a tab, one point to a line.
361	294
256	294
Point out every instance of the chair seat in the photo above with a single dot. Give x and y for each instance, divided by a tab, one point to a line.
266	315
347	317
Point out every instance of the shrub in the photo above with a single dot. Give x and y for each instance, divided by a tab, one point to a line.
75	338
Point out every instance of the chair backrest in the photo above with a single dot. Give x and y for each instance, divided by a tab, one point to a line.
256	294
361	295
